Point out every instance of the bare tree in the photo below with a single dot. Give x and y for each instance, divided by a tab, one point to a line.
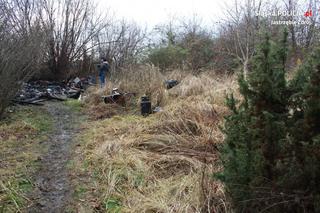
313	27
242	25
303	34
70	27
121	42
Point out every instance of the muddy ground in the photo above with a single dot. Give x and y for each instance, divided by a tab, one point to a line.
53	188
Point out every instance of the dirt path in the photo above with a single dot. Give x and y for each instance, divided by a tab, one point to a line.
53	188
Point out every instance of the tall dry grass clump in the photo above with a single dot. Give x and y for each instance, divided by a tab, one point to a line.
165	162
143	80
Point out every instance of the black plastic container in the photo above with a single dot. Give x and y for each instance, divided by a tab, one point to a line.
145	106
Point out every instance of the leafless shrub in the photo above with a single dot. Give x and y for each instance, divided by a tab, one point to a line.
20	45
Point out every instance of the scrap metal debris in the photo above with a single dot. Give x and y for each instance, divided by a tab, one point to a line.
117	97
36	92
157	109
171	83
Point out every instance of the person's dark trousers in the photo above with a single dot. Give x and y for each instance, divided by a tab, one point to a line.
102	80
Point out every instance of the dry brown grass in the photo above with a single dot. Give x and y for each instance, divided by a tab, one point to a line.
162	163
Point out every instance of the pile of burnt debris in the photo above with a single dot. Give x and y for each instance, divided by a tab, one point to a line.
36	92
171	83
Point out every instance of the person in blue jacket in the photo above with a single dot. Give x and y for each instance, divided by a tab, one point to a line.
103	69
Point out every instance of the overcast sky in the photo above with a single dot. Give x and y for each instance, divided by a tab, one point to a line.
152	12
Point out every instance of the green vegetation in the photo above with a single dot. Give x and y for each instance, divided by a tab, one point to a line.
192	50
168	57
20	134
271	151
74	104
113	205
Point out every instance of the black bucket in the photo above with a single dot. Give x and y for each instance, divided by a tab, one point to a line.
145	106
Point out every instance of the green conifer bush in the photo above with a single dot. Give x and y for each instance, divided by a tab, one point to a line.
271	154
